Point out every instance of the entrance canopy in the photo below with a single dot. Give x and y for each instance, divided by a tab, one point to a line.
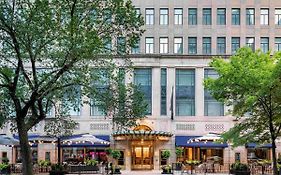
192	141
141	134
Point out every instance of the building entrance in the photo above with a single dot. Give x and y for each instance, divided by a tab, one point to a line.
142	156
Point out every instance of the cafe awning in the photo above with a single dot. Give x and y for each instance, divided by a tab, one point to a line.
255	145
86	140
141	134
191	141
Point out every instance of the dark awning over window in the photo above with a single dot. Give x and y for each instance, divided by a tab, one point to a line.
255	145
188	141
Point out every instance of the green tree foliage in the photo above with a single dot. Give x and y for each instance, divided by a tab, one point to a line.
48	49
250	83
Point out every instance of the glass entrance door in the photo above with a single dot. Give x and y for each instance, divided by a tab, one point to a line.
142	157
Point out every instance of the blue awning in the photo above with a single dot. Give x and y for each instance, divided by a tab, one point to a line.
255	145
185	141
87	144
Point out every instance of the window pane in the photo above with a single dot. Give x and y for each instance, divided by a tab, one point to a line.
264	16
264	44
192	45
250	42
178	16
149	45
235	44
250	16
185	92
142	78
149	16
278	16
207	16
211	106
235	15
178	45
277	44
192	16
136	47
163	45
121	45
221	45
221	19
207	45
163	91
164	16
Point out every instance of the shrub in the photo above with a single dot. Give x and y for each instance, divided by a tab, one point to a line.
239	167
44	163
4	166
116	154
165	154
91	162
5	160
179	151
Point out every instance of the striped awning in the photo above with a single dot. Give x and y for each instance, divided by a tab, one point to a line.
161	135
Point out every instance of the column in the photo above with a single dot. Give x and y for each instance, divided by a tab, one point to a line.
199	91
156	91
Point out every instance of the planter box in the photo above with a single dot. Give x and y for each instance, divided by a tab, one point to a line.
240	172
166	172
115	171
6	171
53	172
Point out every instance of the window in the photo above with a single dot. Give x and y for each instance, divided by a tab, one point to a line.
211	106
163	91
136	47
185	92
235	16
250	16
207	45
235	44
277	44
207	16
149	45
138	12
178	45
264	16
192	16
149	16
221	45
178	16
142	78
121	45
192	45
250	42
264	44
164	45
221	19
107	45
72	106
164	16
101	84
278	17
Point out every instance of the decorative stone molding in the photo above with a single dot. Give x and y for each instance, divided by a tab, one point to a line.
214	127
99	126
185	127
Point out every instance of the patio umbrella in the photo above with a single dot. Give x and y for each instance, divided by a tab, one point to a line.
86	138
6	140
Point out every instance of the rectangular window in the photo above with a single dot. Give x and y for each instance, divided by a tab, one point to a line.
101	84
207	16
164	45
192	45
207	45
149	16
178	45
235	16
107	42
250	42
264	44
221	19
138	12
136	47
264	16
277	44
235	44
212	107
250	16
163	91
72	107
278	17
164	16
142	78
221	45
178	16
149	45
192	16
121	45
185	92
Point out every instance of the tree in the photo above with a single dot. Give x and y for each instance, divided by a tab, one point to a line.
48	49
250	82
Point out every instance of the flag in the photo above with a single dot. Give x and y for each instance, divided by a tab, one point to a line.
172	104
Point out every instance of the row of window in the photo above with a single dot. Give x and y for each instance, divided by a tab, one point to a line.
207	16
206	45
184	93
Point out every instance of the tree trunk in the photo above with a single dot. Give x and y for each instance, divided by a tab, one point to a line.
25	151
275	171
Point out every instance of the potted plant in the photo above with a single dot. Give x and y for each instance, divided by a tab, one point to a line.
166	169
5	168
91	165
44	164
115	154
57	169
240	169
192	163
